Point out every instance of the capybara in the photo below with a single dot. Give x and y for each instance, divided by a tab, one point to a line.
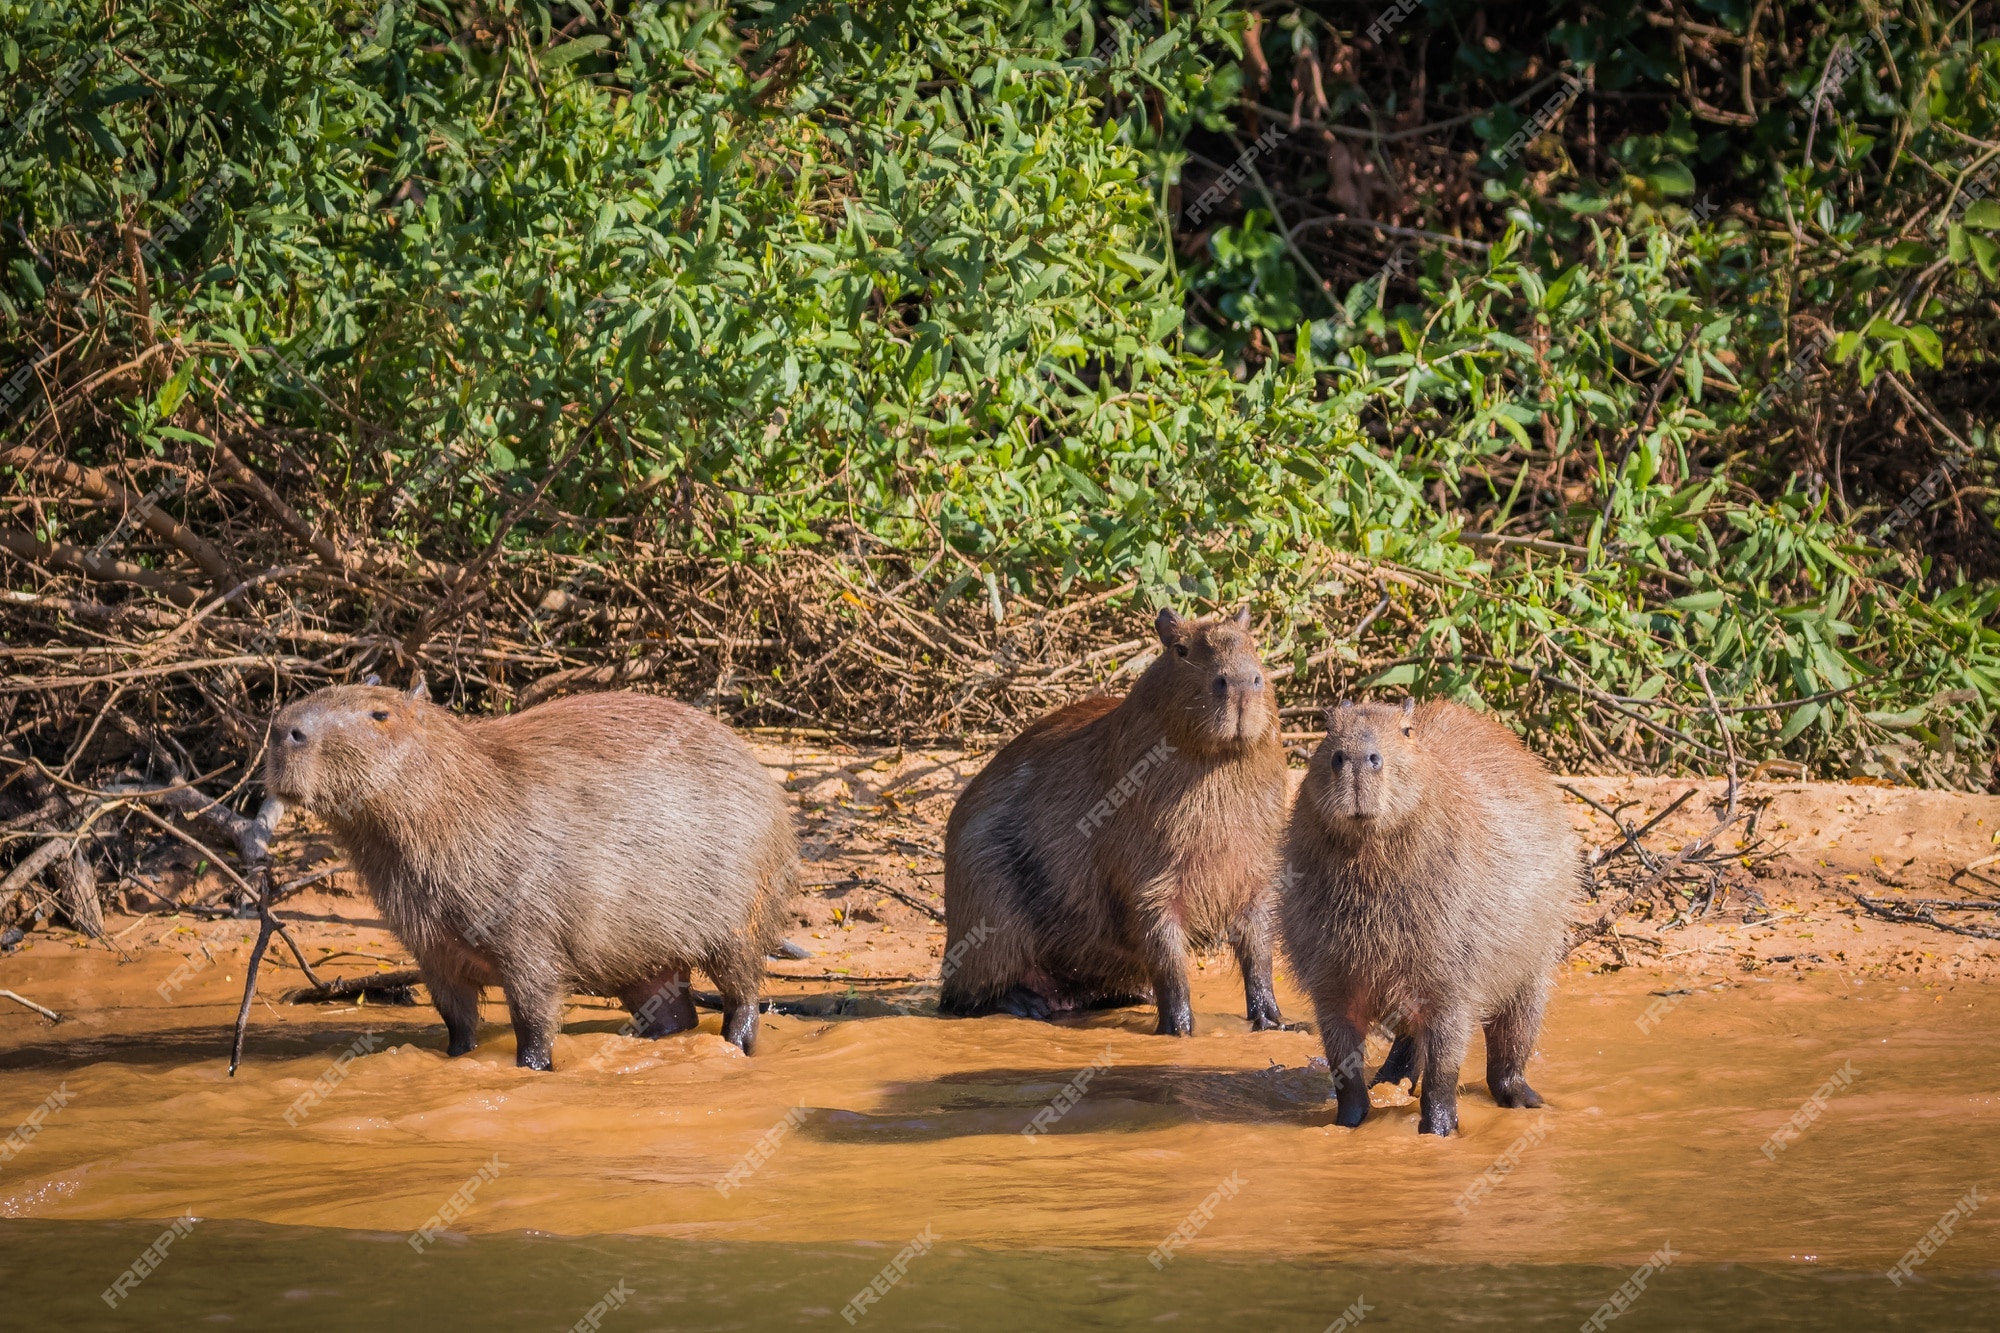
1112	835
1428	874
604	842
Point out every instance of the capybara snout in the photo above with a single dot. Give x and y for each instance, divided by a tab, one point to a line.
1364	765
1233	705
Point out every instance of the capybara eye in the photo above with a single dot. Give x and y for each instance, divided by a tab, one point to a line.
1181	648
380	715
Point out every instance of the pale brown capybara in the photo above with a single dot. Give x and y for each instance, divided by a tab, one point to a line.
1112	836
1428	874
602	842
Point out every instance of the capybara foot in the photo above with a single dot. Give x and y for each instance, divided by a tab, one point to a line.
1264	1015
1176	1020
1352	1110
460	1043
1399	1064
1025	1003
1515	1093
1437	1117
739	1027
531	1058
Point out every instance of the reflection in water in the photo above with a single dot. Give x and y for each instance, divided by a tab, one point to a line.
847	1135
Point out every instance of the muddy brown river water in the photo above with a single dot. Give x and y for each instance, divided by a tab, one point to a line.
596	1187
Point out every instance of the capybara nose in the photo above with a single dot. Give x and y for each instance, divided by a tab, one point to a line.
298	736
1374	760
1257	681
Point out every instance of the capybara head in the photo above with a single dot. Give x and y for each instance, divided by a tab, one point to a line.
1364	777
1213	679
339	749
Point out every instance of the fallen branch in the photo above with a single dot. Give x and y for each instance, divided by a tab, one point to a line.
395	984
49	1014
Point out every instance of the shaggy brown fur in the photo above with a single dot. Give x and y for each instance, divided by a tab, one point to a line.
1428	874
1111	836
602	842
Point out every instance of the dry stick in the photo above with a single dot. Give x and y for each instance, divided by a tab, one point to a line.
1920	916
38	860
1728	741
99	568
96	485
346	988
49	1014
868	882
274	505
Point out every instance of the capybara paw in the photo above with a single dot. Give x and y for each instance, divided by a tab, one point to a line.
1264	1016
1175	1023
1438	1121
1350	1114
461	1045
741	1032
1024	1003
541	1060
1515	1093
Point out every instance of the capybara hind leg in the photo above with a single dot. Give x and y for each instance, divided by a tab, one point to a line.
1250	934
536	1008
1510	1040
1344	1056
1444	1047
663	1004
1399	1064
737	976
457	1001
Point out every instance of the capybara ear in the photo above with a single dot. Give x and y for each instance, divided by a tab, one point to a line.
1169	626
420	691
371	679
1243	618
1409	713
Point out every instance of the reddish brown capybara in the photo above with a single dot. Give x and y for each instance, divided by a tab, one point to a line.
1429	870
603	842
1112	836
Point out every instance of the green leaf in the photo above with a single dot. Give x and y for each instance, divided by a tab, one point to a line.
575	50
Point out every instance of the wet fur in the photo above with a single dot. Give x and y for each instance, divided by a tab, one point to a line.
604	843
1445	901
1075	919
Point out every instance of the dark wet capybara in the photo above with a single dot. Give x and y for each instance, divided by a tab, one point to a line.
605	842
1112	836
1429	870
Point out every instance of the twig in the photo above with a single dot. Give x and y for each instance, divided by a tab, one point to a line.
1919	916
1728	741
49	1014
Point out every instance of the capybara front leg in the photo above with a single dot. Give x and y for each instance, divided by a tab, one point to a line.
1510	1040
457	999
536	1008
1167	962
663	1004
1250	934
1444	1038
1345	1054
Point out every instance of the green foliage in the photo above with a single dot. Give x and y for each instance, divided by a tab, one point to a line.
906	270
